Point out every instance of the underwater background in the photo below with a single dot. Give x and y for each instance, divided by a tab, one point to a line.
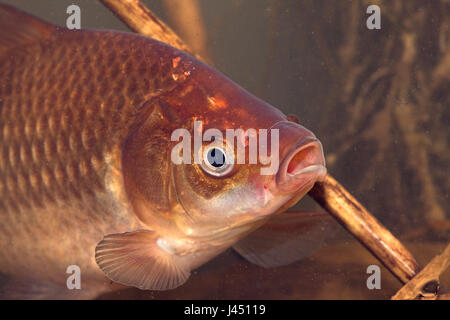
379	100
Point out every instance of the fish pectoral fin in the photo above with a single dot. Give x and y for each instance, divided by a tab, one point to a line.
287	237
136	259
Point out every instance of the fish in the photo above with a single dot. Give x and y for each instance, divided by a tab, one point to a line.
87	176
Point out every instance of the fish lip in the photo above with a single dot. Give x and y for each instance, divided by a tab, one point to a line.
317	170
309	169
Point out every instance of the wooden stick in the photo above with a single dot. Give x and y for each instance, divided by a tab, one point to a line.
413	289
330	194
186	17
356	219
141	20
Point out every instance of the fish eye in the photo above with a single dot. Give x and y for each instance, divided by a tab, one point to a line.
217	161
216	157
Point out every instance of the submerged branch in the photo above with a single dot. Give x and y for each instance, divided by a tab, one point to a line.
428	277
186	17
329	194
355	218
141	20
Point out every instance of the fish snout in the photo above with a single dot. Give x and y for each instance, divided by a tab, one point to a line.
303	161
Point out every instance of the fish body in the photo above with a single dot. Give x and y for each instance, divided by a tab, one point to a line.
86	177
62	126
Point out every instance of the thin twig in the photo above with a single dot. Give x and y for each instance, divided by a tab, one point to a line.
330	194
414	288
141	20
361	224
186	17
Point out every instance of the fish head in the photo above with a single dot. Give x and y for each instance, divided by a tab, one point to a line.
231	160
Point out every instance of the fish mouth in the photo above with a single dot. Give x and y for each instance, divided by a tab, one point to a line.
303	165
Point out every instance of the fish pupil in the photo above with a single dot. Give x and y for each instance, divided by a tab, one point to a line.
216	157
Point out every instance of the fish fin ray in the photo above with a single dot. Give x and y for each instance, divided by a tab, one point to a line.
136	260
286	238
18	28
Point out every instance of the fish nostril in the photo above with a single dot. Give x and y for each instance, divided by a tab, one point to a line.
301	159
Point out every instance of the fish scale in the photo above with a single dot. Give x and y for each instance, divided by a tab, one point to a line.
68	103
56	133
87	176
